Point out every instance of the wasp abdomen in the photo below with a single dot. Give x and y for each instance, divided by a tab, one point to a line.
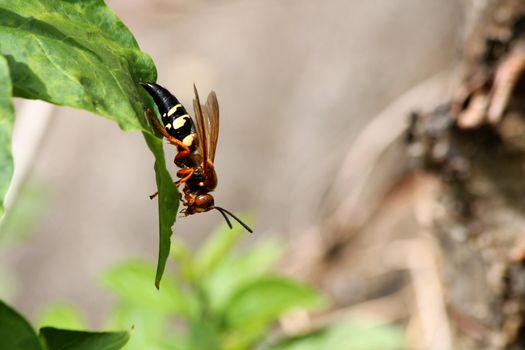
174	116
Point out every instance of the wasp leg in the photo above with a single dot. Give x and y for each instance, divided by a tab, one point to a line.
181	155
162	130
185	174
177	183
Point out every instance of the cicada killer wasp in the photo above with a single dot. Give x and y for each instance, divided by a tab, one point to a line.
196	147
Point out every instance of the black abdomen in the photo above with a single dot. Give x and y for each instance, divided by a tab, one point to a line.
175	118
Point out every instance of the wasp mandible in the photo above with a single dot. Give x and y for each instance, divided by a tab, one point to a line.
196	146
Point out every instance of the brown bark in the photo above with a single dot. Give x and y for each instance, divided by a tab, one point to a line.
475	144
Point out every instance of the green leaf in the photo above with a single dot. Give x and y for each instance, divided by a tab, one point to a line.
79	54
15	332
170	299
203	335
257	305
311	341
267	298
75	53
150	328
31	206
365	336
218	245
58	339
168	201
236	271
63	316
184	259
6	127
349	334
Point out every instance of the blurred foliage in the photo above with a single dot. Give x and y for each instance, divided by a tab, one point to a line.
348	335
79	54
216	299
6	128
221	298
31	205
61	315
17	334
17	223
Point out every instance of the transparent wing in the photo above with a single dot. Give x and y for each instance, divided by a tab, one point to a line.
211	113
201	127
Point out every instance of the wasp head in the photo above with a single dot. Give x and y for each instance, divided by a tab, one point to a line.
205	202
200	204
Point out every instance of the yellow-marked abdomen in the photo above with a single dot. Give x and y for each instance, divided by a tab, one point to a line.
174	116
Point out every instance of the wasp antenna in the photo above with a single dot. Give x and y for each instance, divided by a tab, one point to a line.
233	216
225	217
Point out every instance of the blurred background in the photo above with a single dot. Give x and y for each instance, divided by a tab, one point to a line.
312	95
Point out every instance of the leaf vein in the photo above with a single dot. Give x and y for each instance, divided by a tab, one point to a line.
57	66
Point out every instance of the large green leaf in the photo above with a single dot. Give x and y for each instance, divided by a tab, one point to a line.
75	53
78	53
6	127
59	339
15	332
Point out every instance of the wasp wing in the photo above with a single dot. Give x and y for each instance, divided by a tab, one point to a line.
201	127
207	119
211	113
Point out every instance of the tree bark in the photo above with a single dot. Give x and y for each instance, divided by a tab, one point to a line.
475	144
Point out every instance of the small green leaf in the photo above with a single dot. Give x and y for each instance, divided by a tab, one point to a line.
357	334
236	271
170	299
218	245
203	335
15	332
63	316
257	305
150	328
59	339
6	128
278	294
364	335
310	341
184	259
32	204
